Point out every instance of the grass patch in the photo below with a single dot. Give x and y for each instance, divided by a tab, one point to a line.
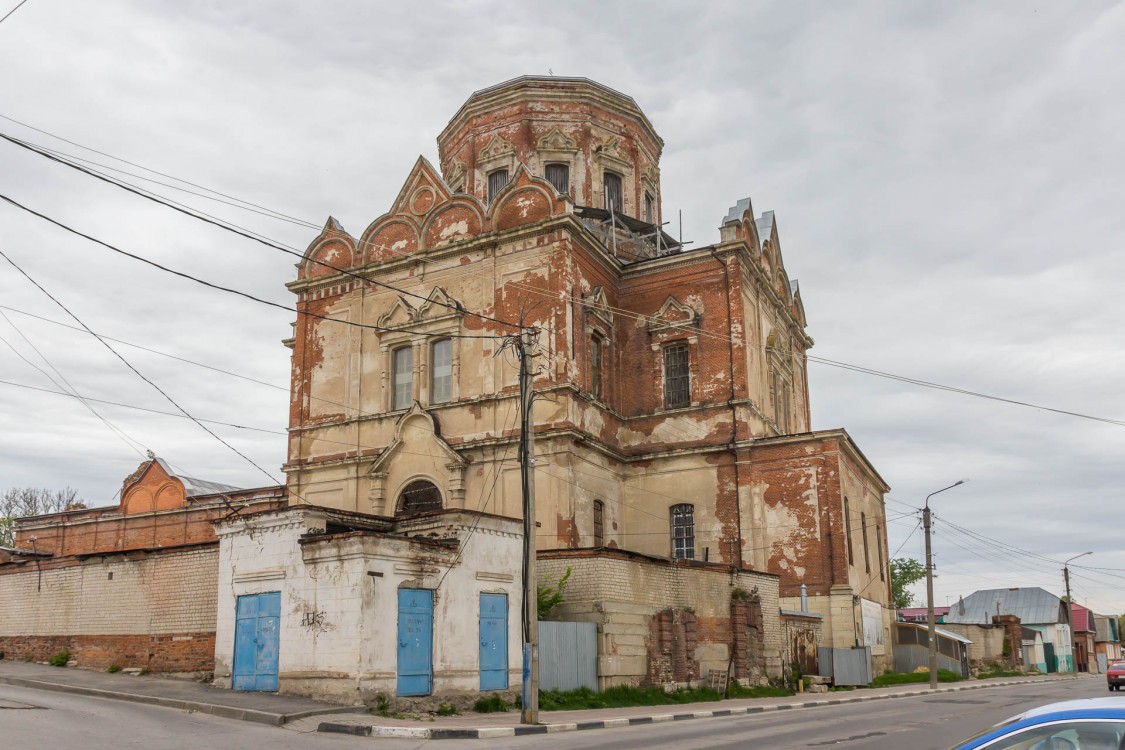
60	659
493	704
622	696
899	678
997	672
112	668
758	691
446	709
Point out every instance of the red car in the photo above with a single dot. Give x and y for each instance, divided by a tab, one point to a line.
1115	675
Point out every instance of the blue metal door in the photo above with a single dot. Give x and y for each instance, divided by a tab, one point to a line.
256	634
415	641
493	641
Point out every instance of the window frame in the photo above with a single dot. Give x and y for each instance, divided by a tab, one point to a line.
649	207
863	531
448	377
676	397
848	530
558	165
400	504
408	350
491	191
599	523
597	365
681	526
609	176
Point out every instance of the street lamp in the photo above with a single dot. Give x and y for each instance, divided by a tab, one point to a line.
930	585
1070	613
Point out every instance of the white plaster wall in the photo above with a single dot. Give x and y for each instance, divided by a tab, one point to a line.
338	630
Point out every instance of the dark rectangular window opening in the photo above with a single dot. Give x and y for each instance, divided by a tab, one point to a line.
848	530
597	353
496	182
863	528
614	195
559	176
683	531
677	377
650	208
599	523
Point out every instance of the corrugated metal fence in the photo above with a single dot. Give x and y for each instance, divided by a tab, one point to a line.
568	655
846	666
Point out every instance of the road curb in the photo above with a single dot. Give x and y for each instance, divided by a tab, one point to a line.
475	733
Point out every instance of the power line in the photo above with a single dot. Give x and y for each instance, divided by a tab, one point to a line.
277	214
135	370
236	292
249	235
13	10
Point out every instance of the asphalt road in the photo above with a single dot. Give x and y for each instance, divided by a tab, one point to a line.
63	722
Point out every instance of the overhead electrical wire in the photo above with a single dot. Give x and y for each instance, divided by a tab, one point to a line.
250	235
117	354
13	10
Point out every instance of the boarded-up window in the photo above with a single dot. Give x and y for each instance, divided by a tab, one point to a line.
419	497
611	184
599	523
677	377
496	182
402	366
683	531
441	371
559	176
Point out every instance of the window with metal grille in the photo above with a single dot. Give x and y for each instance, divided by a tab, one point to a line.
419	497
677	377
597	353
402	368
611	183
441	371
496	182
650	208
559	176
683	531
599	523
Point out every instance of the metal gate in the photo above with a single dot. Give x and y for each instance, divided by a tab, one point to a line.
493	641
846	666
568	655
415	641
256	636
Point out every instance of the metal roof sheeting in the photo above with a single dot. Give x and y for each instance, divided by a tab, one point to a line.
1034	606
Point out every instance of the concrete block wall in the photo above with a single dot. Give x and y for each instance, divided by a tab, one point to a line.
149	610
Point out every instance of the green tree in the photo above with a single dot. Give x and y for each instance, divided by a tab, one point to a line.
905	572
550	597
31	501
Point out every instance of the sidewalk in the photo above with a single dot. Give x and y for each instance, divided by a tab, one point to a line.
271	708
187	695
485	726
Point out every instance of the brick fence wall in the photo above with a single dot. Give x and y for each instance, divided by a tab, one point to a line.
153	610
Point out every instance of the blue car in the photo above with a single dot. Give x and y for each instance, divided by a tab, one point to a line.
1090	724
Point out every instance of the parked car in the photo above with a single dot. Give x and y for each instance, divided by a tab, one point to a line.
1089	724
1115	675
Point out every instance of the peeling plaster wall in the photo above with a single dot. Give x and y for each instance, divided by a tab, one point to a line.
338	631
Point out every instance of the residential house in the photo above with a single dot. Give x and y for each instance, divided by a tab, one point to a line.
1036	609
1107	641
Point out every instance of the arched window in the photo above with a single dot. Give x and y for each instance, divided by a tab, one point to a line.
419	497
683	531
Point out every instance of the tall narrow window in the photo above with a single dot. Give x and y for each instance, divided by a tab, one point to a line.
848	530
559	176
613	194
599	523
441	371
496	182
650	208
402	367
879	546
597	354
683	531
677	377
863	528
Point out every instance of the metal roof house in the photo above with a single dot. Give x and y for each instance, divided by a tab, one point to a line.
1036	608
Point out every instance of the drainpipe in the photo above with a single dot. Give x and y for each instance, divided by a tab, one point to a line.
804	598
733	410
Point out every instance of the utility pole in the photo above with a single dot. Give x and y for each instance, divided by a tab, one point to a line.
931	620
529	705
1070	613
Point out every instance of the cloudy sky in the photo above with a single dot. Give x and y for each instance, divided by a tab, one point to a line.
947	179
